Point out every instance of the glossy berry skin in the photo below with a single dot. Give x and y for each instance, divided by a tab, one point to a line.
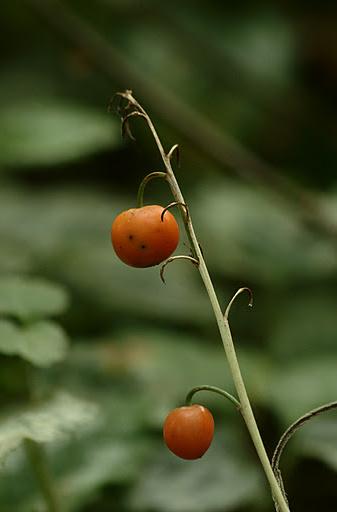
141	239
188	431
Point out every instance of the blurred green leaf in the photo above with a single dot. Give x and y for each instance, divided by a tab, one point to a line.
299	386
28	298
75	246
306	326
248	234
318	438
167	364
98	461
42	343
112	451
70	215
141	373
219	481
51	131
96	272
151	47
62	415
14	257
262	45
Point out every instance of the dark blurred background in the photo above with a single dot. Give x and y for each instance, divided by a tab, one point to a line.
249	93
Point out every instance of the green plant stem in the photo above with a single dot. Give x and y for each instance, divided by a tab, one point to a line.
36	453
213	389
223	325
37	457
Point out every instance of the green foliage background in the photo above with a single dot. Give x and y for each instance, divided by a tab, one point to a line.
249	93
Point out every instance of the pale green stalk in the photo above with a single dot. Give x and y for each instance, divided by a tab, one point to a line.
36	453
37	457
222	321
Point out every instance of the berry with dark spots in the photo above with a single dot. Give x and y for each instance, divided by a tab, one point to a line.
159	238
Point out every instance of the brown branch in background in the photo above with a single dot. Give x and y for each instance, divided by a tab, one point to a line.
218	63
207	138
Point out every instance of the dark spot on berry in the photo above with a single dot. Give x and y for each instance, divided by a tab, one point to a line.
143	246
130	237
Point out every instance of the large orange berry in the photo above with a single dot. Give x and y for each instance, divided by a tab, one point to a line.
141	239
188	431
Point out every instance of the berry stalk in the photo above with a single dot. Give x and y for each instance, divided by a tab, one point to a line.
222	320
